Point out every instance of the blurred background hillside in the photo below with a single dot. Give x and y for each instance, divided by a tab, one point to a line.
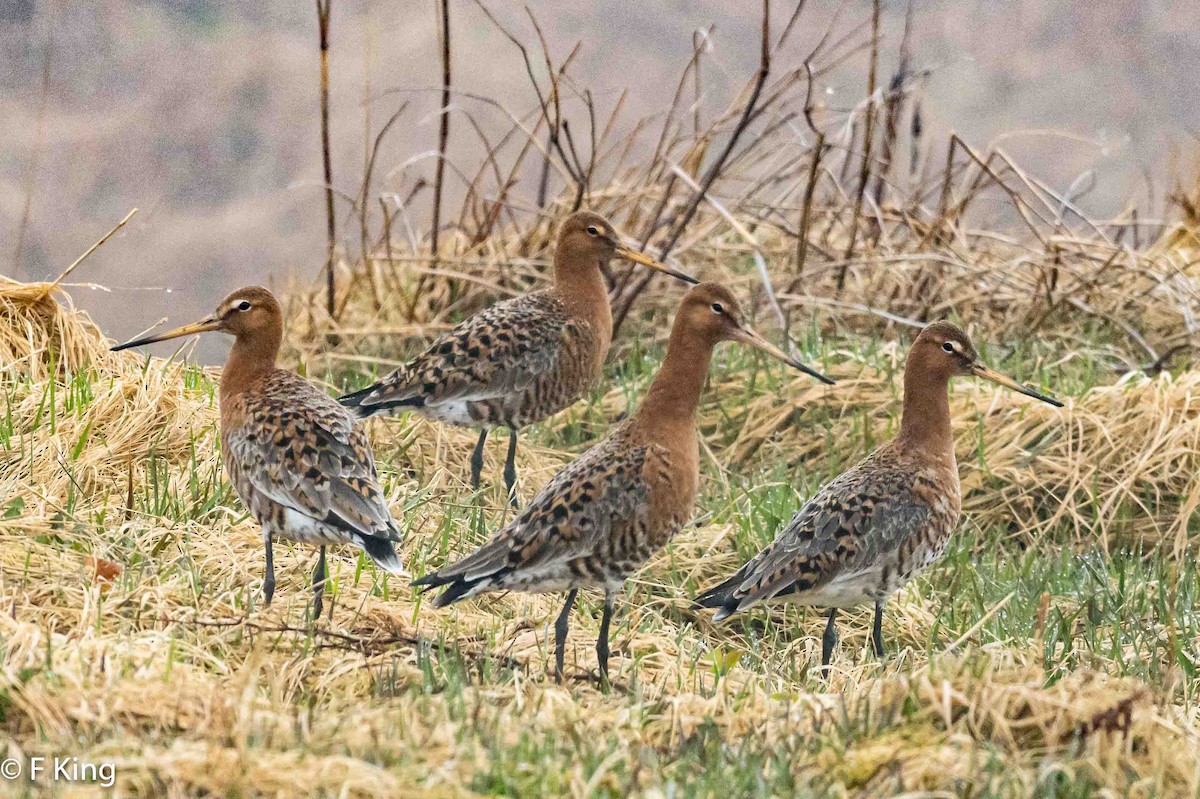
204	115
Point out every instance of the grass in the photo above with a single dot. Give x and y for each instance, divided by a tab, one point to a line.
1052	652
1010	663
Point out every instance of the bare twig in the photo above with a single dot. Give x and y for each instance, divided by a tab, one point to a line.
66	272
806	207
868	138
555	119
324	7
764	69
893	105
699	39
714	171
443	128
759	261
368	172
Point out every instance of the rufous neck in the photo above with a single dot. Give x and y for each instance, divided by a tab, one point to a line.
674	395
251	359
580	283
925	422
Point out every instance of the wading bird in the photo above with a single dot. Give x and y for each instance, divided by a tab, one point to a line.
520	360
603	515
871	529
295	457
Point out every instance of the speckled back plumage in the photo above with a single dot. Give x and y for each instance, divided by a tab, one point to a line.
860	538
516	362
603	516
596	522
303	467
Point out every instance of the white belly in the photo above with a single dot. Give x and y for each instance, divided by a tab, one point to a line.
847	590
307	530
453	412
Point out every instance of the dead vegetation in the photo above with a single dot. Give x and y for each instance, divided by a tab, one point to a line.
169	671
129	579
816	210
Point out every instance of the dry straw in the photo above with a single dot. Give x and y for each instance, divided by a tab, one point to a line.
1120	464
189	695
161	668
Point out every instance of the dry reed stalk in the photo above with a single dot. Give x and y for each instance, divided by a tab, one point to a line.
324	10
443	126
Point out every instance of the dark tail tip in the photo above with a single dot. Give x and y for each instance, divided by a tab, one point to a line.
353	401
720	597
725	606
725	611
356	402
383	553
456	588
712	598
431	580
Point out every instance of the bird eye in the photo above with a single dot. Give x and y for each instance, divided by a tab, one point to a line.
948	347
244	305
718	307
592	231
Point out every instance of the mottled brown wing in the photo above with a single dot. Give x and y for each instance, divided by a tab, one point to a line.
850	521
573	517
499	351
303	450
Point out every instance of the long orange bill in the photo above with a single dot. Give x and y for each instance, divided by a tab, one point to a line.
755	340
203	326
979	370
645	260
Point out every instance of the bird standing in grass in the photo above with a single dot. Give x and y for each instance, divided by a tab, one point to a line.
603	515
295	457
520	360
871	529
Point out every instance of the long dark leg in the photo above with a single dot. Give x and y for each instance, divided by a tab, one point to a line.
829	640
269	580
510	467
560	634
477	458
319	584
610	600
877	632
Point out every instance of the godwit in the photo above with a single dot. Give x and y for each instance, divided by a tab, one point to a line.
294	456
603	515
868	531
520	360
